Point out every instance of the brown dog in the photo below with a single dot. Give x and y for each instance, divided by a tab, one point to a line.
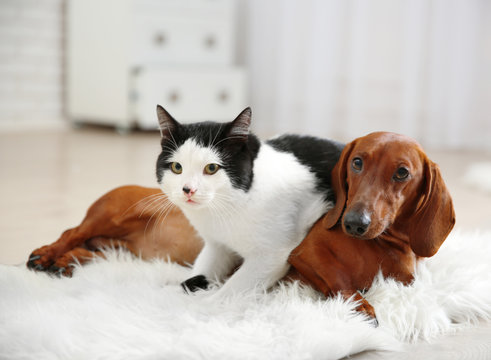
136	218
392	207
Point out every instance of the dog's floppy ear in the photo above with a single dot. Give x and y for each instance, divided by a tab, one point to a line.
434	218
338	178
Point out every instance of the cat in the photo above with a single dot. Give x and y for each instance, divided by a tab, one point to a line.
250	201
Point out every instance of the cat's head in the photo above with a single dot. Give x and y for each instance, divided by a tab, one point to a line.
202	163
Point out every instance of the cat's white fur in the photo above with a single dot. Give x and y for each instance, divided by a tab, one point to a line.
261	226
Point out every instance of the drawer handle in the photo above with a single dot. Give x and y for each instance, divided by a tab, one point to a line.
160	39
174	97
223	96
210	41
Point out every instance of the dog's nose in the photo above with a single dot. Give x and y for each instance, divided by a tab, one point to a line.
357	223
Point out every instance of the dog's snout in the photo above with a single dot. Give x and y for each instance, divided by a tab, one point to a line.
357	223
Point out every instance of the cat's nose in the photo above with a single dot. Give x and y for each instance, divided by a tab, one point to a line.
188	191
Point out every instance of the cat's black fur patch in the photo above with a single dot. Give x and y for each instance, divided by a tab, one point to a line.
238	154
198	282
319	155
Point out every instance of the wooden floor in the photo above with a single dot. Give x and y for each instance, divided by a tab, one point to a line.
48	179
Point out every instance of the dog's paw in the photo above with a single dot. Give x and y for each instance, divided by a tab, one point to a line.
41	259
66	271
195	283
368	310
45	259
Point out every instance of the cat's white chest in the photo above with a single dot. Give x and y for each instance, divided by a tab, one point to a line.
229	225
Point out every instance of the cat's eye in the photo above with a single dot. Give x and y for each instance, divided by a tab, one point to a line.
357	164
401	174
210	169
176	168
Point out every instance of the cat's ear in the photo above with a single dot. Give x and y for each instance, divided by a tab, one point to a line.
167	124
239	128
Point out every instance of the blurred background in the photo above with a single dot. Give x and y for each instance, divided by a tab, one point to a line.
337	68
79	81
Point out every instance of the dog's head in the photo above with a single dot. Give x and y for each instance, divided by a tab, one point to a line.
385	180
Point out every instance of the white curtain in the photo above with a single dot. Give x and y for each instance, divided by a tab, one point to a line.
343	68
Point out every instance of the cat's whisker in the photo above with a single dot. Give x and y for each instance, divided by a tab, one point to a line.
228	138
174	142
162	216
154	202
144	200
162	212
164	205
150	198
170	149
235	213
223	207
216	214
141	201
212	144
209	137
219	216
228	200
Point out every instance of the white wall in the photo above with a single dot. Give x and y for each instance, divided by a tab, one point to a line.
336	68
343	68
31	47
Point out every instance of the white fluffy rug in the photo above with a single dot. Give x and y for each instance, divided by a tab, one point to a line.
125	308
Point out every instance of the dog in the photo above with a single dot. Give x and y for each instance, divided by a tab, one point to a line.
392	208
136	218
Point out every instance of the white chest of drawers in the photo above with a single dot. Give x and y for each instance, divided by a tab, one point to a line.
125	56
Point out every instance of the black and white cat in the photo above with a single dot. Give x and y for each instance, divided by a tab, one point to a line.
249	200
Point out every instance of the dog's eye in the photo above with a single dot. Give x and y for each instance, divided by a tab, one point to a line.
357	164
210	169
176	168
401	174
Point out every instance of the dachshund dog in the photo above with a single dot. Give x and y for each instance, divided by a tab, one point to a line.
392	207
136	218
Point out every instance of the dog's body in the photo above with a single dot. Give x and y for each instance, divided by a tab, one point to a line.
136	218
392	207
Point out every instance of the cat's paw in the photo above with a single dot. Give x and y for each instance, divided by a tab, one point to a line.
195	283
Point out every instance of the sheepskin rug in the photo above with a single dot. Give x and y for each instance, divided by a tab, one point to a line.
125	308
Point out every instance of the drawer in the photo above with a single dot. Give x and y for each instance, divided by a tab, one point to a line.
181	41
189	94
